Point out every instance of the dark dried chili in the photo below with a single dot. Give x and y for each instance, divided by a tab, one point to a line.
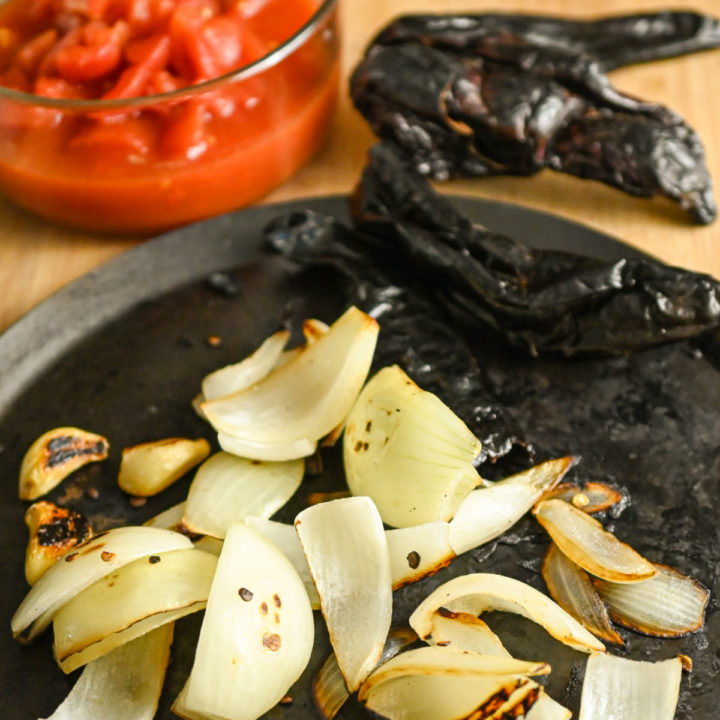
414	261
478	95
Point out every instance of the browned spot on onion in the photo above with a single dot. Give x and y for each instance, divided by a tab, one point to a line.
413	559
264	608
245	594
106	556
71	557
277	601
154	559
272	641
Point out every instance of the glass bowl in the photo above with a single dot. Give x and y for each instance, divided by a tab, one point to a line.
148	164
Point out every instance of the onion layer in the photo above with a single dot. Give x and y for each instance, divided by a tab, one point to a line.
140	596
226	489
418	551
409	452
85	564
479	592
257	634
669	604
125	683
584	540
571	588
624	689
488	512
346	549
305	398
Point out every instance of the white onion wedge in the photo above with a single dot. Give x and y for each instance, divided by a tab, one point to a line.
669	604
226	489
346	549
286	539
267	452
624	689
584	540
123	684
418	551
241	375
467	632
129	602
488	512
571	588
409	452
479	592
85	564
257	634
438	683
308	396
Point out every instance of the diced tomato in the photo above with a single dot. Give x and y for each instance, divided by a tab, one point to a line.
57	88
185	133
127	138
97	53
149	55
190	56
31	55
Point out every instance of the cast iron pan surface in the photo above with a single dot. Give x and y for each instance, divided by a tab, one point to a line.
122	351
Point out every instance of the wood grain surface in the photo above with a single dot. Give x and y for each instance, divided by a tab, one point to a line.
38	257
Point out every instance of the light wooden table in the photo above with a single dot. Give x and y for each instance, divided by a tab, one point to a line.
37	257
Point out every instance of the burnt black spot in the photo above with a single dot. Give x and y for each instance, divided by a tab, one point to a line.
61	529
358	446
154	559
245	594
63	449
368	426
413	559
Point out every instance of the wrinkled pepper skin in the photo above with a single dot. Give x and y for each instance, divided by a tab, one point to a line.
480	95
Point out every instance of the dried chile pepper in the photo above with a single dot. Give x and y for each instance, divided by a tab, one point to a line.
541	301
478	95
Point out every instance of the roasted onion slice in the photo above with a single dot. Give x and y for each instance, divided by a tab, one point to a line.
669	604
345	545
226	489
571	588
126	683
83	565
129	602
408	451
307	397
624	689
479	592
584	540
489	511
257	634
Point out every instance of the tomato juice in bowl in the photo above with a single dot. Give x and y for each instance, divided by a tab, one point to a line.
127	115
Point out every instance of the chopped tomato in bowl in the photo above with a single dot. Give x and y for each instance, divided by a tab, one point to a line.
141	115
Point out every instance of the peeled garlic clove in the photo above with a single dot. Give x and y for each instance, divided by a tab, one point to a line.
408	451
56	454
53	531
149	468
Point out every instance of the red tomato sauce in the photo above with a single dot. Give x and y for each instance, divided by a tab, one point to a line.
185	158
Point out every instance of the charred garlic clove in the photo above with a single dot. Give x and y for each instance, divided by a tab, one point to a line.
56	454
53	531
149	468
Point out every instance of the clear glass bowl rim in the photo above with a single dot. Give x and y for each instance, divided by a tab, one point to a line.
274	57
